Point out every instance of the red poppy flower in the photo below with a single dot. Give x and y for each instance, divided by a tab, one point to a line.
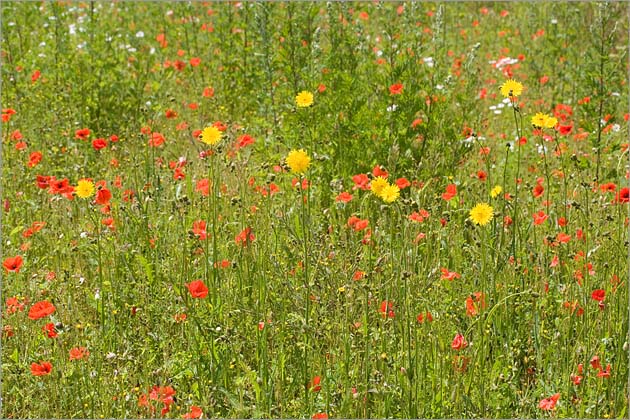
13	264
314	385
41	369
78	353
169	113
396	89
60	186
451	191
156	140
565	130
344	197
598	295
203	186
82	134
449	275
595	362
604	373
41	309
99	144
103	195
34	159
563	238
220	125
109	223
194	413
416	217
459	342
387	309
199	229
624	195
14	305
197	289
245	140
7	330
540	217
42	181
50	330
361	224
475	303
549	403
361	182
538	190
320	416
179	65
403	183
380	171
245	237
36	75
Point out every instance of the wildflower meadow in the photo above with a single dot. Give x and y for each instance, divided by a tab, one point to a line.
314	209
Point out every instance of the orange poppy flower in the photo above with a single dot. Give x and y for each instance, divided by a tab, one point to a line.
41	369
41	309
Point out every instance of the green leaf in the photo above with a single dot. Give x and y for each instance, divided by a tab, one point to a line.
147	267
14	356
16	230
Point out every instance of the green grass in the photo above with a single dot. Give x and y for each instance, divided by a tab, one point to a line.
296	289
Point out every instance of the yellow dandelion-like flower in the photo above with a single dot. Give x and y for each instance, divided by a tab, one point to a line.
550	122
494	193
211	135
539	120
378	184
511	88
84	188
390	193
298	161
304	99
481	214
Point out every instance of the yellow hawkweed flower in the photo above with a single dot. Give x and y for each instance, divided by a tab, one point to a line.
539	120
304	99
494	193
481	214
377	185
390	193
211	135
298	161
550	122
511	89
84	188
